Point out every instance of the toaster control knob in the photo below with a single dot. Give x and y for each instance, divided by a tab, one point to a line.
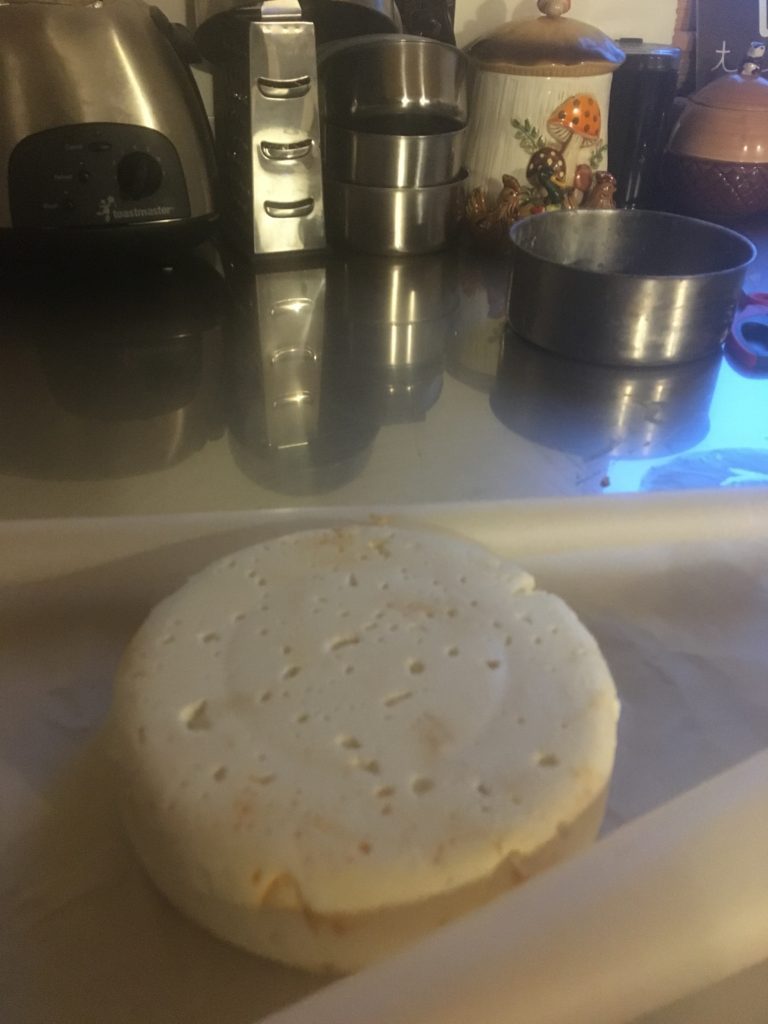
138	175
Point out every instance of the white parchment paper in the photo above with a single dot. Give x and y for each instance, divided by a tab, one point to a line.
676	592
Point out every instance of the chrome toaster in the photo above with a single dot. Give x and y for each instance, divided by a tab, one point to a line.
104	140
266	113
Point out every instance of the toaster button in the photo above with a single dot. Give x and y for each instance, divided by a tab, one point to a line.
139	175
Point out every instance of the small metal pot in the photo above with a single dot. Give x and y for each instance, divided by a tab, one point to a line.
380	75
386	221
625	287
394	159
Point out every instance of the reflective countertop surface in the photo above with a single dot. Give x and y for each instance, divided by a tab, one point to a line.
332	380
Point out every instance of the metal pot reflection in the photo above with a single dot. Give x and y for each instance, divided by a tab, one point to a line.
473	354
473	359
113	378
406	393
591	410
397	316
301	421
395	289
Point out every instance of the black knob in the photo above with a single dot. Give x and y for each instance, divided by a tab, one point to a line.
138	175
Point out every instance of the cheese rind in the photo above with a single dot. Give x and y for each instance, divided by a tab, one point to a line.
334	741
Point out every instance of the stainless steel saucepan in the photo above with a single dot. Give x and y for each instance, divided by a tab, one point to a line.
625	287
378	76
430	154
392	221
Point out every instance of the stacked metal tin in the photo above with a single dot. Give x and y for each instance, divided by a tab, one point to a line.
393	114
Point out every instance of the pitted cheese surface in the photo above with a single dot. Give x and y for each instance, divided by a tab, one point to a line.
344	720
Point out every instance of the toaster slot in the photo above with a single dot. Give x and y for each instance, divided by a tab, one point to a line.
295	208
286	150
283	89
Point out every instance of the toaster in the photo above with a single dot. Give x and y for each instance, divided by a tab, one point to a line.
103	133
263	54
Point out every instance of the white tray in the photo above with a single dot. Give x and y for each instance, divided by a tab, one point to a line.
674	587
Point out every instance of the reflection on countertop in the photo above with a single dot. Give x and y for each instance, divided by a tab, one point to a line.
324	355
588	409
221	384
115	376
298	421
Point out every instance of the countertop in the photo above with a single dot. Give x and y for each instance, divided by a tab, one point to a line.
218	386
337	380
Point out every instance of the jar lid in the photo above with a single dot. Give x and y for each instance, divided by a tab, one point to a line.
642	56
735	92
549	46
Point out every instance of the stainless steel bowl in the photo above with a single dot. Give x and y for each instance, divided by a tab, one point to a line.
432	155
625	287
387	221
377	76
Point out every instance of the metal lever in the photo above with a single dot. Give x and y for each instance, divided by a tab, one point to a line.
299	208
284	88
286	150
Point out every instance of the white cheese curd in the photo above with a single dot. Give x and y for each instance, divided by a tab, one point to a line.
332	742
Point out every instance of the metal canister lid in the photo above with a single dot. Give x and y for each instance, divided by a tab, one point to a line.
642	56
552	46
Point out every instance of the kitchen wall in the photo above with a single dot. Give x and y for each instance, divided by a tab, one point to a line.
652	20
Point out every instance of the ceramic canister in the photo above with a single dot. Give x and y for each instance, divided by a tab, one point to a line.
539	106
716	164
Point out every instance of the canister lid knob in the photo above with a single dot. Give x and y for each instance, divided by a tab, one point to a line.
554	8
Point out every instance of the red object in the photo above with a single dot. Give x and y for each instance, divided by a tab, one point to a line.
747	342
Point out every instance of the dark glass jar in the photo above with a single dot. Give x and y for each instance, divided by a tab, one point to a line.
642	102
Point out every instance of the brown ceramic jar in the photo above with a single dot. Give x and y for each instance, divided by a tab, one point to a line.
716	163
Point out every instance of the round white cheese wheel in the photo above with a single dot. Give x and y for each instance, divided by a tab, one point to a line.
333	742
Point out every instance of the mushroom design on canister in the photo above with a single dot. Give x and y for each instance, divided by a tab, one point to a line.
546	171
575	124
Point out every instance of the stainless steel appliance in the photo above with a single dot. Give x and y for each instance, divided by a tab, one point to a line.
267	127
102	128
266	109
